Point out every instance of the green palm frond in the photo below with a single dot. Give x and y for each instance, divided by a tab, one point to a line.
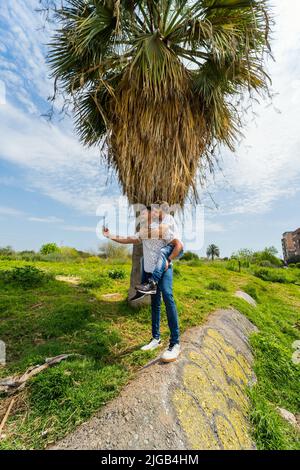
160	81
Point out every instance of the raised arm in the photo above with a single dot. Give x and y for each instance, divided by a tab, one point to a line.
123	240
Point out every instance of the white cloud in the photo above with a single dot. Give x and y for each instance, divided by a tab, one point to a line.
79	228
47	220
10	211
55	163
266	166
213	227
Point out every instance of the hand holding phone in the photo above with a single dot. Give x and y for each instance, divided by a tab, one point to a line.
105	231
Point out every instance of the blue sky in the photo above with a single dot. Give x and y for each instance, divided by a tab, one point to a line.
51	187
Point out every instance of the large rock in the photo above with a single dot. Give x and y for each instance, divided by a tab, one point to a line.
198	402
243	295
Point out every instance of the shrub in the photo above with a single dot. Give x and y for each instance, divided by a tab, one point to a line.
54	256
297	265
252	291
294	259
265	264
292	265
116	274
113	251
69	252
194	262
49	248
266	257
176	271
189	256
270	275
29	255
25	276
7	252
233	265
214	285
93	259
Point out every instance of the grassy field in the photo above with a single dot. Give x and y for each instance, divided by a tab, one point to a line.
58	317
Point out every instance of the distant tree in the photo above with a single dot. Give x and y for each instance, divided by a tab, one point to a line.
243	256
6	251
268	255
212	251
111	250
271	250
189	256
49	248
69	252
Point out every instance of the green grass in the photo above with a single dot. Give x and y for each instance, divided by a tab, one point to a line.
55	317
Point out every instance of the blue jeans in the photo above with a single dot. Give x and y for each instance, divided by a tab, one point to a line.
161	263
164	289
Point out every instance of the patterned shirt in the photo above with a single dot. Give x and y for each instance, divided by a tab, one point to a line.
152	246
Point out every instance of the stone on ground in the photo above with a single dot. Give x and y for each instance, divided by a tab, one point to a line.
243	295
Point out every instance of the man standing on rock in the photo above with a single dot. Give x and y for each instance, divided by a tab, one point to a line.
151	251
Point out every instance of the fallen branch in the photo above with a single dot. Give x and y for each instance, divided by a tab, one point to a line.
11	385
11	403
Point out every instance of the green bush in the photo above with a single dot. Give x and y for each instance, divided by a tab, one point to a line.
29	255
24	276
7	252
69	252
214	285
116	274
265	264
93	259
252	291
176	271
271	275
233	265
189	256
49	248
194	262
112	250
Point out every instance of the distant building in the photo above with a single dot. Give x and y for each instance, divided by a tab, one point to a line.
291	244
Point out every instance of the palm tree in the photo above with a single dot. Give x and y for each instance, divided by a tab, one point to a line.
157	85
212	251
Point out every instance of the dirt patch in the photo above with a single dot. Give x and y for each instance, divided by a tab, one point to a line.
69	279
112	297
198	402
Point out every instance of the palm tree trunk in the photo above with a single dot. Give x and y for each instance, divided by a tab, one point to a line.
135	277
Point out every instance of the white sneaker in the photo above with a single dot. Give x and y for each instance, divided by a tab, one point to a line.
171	354
154	343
